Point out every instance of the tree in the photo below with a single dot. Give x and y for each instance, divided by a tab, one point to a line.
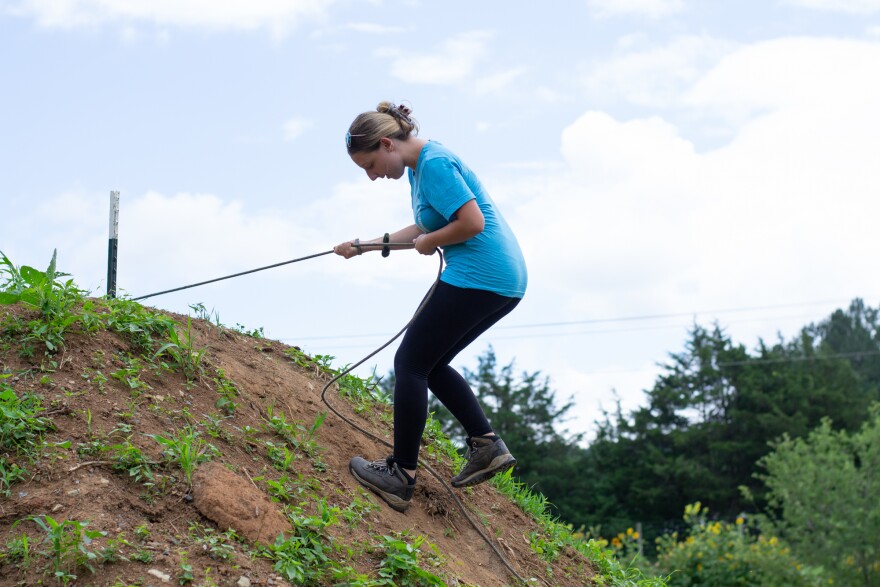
823	495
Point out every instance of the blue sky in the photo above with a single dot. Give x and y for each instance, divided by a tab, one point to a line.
655	157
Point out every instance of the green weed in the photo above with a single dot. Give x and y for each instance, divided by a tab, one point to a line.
302	439
41	291
401	565
21	431
215	544
68	542
181	349
18	551
228	392
303	558
137	323
130	374
187	450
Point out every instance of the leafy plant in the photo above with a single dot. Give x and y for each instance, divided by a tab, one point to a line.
41	291
725	554
296	435
138	323
21	431
215	544
401	563
302	558
130	374
68	542
181	349
187	450
18	551
823	489
228	392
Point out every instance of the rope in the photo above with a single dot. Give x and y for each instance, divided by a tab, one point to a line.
349	369
426	466
158	293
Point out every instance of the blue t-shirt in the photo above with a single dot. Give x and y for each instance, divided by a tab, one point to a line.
492	260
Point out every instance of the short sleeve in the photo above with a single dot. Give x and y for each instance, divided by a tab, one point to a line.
444	187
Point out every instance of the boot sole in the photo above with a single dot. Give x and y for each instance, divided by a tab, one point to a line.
499	464
394	501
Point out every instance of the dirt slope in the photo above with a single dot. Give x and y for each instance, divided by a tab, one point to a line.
169	532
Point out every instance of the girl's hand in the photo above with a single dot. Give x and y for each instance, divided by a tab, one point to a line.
346	249
423	246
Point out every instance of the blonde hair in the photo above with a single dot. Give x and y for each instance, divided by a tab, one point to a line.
389	120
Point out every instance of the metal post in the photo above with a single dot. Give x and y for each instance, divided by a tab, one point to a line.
113	246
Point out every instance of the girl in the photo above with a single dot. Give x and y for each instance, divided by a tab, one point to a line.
484	279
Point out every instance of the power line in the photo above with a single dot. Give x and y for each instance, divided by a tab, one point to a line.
645	317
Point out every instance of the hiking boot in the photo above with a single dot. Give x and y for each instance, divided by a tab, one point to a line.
486	457
385	478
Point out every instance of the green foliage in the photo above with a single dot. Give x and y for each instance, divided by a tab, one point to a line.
18	551
824	491
227	390
295	435
303	558
187	450
320	363
68	542
138	323
21	432
723	554
712	414
182	351
217	545
41	291
401	565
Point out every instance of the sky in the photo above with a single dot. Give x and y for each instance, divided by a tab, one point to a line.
663	163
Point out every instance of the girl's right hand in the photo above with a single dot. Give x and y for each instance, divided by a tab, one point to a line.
346	249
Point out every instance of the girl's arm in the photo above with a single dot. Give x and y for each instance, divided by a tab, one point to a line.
404	235
467	222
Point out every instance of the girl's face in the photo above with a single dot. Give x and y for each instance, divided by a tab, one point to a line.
385	162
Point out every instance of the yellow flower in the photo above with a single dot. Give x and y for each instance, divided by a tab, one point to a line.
635	535
740	521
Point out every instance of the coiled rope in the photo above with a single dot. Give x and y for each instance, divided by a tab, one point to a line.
349	369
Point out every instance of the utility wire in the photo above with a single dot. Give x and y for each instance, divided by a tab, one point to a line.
645	317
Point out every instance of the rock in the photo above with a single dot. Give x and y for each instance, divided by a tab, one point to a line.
233	502
159	575
244	582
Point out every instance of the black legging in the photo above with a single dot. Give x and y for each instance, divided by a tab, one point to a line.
452	319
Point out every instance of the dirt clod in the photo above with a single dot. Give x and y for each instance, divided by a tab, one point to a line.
233	502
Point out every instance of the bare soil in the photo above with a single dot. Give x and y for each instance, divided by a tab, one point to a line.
230	491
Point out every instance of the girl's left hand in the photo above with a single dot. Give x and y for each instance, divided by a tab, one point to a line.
423	246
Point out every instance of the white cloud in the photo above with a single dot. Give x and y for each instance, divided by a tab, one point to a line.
639	222
654	76
374	28
498	81
647	8
847	6
276	16
452	63
294	128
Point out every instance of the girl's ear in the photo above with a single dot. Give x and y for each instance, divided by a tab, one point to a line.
386	143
